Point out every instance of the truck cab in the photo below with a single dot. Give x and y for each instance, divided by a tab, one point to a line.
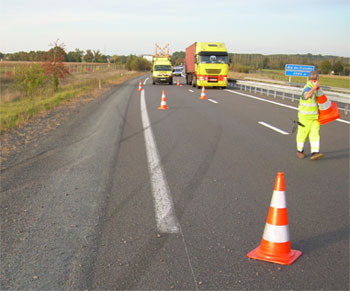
207	64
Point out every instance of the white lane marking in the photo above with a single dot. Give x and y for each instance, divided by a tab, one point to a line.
273	128
276	103
211	100
144	83
191	90
165	214
261	99
342	120
163	204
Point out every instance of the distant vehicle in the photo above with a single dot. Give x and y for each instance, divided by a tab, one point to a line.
177	71
162	70
207	64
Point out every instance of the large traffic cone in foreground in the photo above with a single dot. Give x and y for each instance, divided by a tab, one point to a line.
163	102
203	94
140	86
328	110
275	244
178	82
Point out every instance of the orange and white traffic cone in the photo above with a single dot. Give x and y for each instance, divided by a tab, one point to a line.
178	82
140	86
275	244
163	102
328	111
203	94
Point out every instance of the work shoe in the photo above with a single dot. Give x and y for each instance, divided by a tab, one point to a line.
300	155
316	156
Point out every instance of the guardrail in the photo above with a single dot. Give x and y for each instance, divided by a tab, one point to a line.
285	91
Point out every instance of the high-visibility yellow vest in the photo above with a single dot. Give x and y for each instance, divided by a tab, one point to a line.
308	109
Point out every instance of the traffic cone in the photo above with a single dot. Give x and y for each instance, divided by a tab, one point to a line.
163	102
178	82
328	111
203	94
275	244
140	86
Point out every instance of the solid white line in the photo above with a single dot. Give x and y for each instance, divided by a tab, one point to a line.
163	204
191	90
261	99
144	83
273	128
276	103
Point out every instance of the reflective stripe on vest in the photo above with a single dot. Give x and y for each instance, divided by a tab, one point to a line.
308	107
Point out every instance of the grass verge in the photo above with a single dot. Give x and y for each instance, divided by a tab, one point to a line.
279	75
19	110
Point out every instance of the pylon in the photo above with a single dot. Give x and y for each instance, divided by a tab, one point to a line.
140	86
275	244
178	82
163	102
328	111
203	94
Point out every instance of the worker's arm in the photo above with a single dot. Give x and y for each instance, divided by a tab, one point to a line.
308	94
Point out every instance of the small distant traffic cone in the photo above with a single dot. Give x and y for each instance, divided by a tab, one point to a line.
140	86
203	94
178	82
163	102
328	111
275	244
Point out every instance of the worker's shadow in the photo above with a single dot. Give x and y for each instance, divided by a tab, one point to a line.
322	240
337	155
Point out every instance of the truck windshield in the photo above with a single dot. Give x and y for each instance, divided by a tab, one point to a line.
162	68
213	59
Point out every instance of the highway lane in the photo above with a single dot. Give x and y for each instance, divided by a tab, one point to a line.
220	164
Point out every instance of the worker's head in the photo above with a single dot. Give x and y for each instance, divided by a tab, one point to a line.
313	76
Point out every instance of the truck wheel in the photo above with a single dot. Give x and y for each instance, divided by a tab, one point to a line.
171	82
194	81
153	82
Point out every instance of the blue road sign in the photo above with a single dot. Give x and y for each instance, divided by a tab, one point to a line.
299	70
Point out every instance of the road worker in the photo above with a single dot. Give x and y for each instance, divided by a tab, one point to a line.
308	124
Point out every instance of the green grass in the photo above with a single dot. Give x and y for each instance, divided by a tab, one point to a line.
17	111
325	80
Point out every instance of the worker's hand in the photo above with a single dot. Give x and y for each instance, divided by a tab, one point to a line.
316	85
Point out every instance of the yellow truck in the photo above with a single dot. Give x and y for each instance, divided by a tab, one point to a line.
162	70
207	64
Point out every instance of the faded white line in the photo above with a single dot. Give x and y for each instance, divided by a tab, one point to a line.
163	204
211	100
261	99
276	103
273	128
191	90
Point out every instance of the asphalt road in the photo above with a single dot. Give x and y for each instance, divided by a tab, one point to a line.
87	209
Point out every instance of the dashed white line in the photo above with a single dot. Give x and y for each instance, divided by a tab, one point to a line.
191	90
211	100
273	128
164	209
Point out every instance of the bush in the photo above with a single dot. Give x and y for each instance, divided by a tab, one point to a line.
30	79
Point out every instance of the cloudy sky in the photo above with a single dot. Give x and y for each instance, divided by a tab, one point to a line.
134	26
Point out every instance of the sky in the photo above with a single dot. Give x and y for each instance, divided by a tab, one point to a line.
123	27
